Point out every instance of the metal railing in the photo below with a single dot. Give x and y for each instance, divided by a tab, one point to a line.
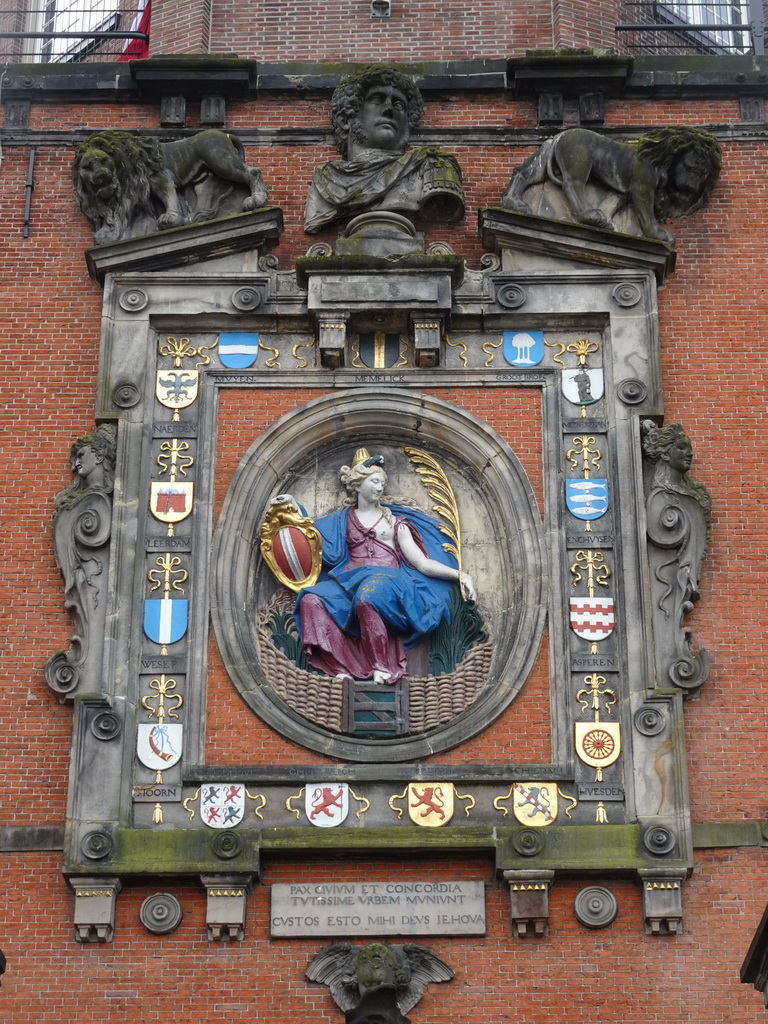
692	26
71	31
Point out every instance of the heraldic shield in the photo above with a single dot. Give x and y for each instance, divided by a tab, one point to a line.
291	546
430	806
326	806
535	803
598	744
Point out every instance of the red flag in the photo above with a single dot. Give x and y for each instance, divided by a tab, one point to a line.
137	49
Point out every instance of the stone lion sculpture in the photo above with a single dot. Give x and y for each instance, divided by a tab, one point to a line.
586	178
128	186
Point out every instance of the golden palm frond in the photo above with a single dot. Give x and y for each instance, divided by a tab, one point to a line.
439	489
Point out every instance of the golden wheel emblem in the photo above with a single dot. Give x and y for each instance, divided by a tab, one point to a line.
598	744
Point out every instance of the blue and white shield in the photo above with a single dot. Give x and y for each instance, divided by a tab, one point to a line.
523	348
159	746
238	351
587	499
165	619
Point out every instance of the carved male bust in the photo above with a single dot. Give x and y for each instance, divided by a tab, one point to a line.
373	113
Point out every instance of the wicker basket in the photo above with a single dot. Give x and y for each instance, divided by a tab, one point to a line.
432	700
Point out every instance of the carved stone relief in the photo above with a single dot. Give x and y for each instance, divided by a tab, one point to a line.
373	113
129	186
679	512
557	347
450	686
82	523
585	178
377	984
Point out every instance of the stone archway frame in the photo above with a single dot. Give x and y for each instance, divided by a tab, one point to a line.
340	422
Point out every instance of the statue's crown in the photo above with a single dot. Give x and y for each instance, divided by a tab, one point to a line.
362	455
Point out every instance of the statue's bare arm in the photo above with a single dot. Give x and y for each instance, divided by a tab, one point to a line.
430	566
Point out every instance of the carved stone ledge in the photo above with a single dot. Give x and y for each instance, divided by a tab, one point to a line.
226	906
413	293
332	339
529	901
569	73
527	233
662	901
427	338
95	901
194	76
381	275
258	231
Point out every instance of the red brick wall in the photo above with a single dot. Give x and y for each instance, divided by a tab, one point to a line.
183	26
586	23
574	975
712	315
416	30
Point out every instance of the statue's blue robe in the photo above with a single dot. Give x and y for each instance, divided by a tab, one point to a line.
411	604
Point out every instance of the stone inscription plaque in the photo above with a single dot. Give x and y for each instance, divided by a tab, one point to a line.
157	794
378	908
601	793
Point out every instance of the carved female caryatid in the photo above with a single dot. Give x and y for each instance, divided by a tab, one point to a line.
385	583
82	523
679	513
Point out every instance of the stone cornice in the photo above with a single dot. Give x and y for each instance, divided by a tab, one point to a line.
570	72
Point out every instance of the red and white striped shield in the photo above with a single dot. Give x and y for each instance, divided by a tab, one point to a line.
293	554
291	546
592	618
